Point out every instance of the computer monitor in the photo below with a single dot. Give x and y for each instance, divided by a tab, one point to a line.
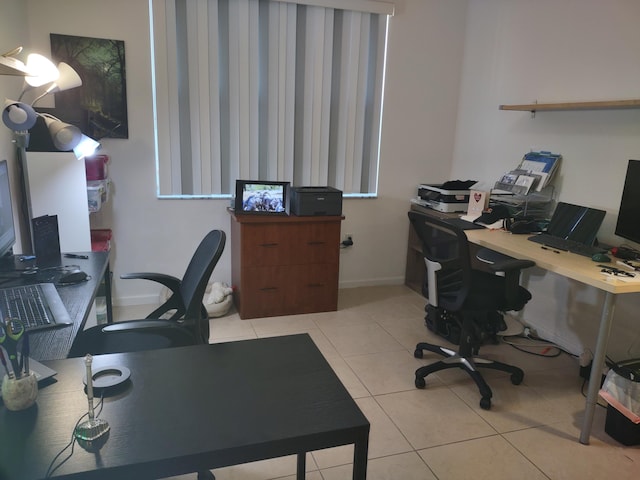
628	224
7	230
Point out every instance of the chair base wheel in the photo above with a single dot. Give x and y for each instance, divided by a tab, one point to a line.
516	378
418	353
420	382
206	475
485	403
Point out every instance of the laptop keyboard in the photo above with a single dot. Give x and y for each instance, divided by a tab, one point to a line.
27	304
566	245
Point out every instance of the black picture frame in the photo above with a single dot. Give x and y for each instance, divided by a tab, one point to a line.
262	197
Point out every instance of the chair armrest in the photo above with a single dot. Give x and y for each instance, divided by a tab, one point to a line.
511	265
168	281
140	325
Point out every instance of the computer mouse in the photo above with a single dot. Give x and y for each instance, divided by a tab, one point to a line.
70	277
600	257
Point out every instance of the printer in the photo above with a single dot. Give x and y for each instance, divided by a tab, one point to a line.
442	198
309	201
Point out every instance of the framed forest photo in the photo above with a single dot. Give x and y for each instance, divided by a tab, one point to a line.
99	106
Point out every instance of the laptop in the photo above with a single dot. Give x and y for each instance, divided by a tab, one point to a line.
573	228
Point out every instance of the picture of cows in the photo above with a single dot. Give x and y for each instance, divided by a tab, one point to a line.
263	198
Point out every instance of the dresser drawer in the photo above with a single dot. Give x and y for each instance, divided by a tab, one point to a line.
290	244
280	290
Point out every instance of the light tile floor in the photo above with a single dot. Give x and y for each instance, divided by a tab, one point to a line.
531	431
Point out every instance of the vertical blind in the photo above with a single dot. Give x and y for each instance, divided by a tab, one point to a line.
269	90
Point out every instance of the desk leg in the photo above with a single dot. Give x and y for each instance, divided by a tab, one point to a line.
302	466
360	452
595	378
107	293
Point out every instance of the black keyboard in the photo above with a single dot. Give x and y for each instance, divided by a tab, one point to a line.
566	245
28	304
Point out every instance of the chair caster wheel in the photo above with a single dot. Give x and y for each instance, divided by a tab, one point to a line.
418	353
485	403
206	475
516	378
420	382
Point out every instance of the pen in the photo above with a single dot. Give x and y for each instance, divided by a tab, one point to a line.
551	249
74	255
24	359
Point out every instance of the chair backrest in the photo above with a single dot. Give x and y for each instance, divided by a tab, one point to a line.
196	277
446	251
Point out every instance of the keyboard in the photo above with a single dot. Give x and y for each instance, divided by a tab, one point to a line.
566	245
37	306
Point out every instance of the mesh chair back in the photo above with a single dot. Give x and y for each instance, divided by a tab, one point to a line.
446	245
196	277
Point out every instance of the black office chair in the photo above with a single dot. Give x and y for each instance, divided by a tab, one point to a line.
188	325
453	287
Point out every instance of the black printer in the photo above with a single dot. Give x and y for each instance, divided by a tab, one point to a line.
309	201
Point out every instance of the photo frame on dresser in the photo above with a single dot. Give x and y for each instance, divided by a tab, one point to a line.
262	197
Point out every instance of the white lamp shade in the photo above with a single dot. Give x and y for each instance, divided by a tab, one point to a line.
86	147
18	116
68	79
41	70
65	137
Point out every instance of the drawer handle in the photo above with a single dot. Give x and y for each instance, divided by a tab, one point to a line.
316	243
268	245
268	289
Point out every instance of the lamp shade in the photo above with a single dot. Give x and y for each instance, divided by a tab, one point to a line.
86	147
65	137
67	79
18	116
41	70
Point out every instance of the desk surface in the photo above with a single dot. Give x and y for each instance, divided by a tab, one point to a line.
55	343
189	409
570	265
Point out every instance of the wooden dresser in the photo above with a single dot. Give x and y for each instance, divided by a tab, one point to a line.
284	265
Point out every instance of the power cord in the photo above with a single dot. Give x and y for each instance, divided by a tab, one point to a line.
51	469
347	242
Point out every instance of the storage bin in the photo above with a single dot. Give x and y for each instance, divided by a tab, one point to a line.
96	167
620	428
621	390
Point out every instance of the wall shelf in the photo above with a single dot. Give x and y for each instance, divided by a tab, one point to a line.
564	106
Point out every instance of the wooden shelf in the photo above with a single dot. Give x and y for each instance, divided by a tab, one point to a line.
549	107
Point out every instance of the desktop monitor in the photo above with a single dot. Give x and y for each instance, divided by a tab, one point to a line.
262	197
628	224
7	229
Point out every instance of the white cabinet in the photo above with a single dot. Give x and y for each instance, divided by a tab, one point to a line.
56	184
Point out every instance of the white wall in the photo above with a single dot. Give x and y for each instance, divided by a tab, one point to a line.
425	58
519	51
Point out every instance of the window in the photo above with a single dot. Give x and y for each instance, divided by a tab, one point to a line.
277	90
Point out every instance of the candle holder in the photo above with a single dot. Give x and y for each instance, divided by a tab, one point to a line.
93	428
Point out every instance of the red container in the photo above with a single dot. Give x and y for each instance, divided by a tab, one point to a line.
96	167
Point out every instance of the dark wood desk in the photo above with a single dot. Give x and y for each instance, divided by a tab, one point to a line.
55	343
191	409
